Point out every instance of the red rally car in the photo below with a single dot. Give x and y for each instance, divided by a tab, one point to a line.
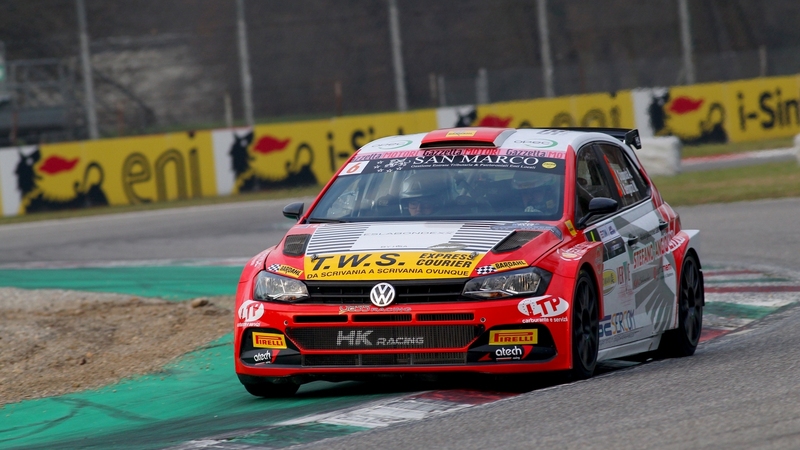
481	250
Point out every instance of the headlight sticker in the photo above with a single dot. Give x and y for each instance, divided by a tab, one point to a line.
283	269
501	266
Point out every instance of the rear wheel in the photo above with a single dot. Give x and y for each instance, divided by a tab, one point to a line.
683	340
272	390
585	328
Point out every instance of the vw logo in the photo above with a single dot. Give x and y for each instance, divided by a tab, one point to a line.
382	294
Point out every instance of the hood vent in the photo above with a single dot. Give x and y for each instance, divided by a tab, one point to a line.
295	244
515	240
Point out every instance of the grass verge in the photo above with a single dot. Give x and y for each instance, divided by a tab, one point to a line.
775	180
738	147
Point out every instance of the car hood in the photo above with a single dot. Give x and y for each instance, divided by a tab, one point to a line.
412	250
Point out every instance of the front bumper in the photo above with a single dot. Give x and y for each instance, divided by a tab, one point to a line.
339	341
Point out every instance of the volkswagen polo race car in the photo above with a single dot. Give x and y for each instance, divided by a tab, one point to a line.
477	250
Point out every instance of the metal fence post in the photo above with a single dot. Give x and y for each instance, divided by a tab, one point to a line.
244	64
397	57
88	82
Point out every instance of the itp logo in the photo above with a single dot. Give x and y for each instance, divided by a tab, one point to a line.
382	294
251	311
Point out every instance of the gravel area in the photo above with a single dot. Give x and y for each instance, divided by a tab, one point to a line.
55	341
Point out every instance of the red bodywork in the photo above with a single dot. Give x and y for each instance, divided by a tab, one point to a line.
563	258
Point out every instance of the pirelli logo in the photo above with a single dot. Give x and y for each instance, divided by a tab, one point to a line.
268	340
509	337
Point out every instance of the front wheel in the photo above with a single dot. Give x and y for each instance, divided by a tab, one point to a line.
585	328
683	340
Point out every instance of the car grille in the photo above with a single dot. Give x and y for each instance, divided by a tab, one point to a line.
357	292
383	337
397	359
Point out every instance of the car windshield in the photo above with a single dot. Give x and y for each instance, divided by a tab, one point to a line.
445	184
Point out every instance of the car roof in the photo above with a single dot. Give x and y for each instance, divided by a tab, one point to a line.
545	139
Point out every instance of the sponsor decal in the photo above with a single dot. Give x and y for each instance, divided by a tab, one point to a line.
546	308
382	294
510	337
549	165
393	145
344	309
250	311
508	265
460	133
617	323
447	247
537	143
571	228
283	269
574	252
443	152
353	168
248	324
649	252
538	153
514	353
400	341
267	357
354	338
258	260
357	338
268	340
394	265
609	281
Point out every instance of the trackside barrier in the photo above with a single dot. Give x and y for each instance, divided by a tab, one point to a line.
797	147
661	155
207	163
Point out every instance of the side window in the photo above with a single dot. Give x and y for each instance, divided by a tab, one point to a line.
590	180
627	180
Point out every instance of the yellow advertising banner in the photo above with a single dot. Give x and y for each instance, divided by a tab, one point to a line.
591	110
301	153
113	172
735	111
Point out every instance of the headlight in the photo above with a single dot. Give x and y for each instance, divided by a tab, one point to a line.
275	287
530	281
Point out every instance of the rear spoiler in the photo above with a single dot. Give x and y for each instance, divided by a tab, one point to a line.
628	136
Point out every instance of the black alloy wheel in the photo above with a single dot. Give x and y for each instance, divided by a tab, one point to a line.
585	328
683	340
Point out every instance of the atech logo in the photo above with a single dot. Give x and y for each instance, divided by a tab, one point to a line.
513	337
268	340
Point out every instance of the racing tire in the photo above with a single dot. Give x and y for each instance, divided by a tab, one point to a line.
585	328
272	390
682	341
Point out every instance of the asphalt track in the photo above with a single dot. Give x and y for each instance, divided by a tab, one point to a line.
739	390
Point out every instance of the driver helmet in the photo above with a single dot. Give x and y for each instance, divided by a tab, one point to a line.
537	191
423	193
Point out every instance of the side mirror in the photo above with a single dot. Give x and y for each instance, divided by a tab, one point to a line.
597	207
295	210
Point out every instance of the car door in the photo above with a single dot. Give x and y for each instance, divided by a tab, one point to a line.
647	294
619	325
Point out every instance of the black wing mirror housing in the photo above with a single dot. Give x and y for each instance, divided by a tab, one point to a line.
597	207
293	210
